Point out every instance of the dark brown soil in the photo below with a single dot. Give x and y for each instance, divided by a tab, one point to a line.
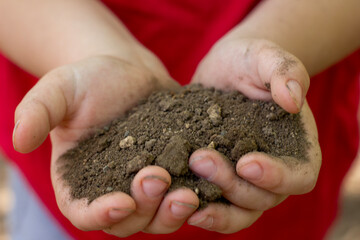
166	128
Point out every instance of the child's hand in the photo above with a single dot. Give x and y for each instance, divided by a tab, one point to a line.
73	98
261	70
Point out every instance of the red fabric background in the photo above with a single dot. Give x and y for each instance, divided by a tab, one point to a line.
180	32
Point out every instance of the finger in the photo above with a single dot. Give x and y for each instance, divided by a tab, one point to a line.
42	108
286	175
274	175
284	75
224	219
213	166
173	212
148	189
99	214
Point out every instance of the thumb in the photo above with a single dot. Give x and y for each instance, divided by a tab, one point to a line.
42	108
285	76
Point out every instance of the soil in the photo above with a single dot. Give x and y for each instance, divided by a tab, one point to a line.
168	127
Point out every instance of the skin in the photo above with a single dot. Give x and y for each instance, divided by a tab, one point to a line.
261	181
69	100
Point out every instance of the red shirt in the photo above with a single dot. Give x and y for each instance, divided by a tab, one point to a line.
181	32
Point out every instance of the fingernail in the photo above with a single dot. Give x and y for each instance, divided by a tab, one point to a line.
14	131
204	167
181	209
154	186
251	171
295	92
204	222
119	213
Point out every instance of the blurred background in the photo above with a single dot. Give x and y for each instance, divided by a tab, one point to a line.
348	223
5	198
346	228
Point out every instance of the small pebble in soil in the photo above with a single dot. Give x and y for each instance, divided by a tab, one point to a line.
167	128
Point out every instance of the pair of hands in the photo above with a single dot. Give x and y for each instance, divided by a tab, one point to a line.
69	101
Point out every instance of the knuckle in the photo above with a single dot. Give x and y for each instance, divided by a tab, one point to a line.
165	227
255	216
62	72
160	230
226	179
275	183
309	184
121	234
218	225
247	224
81	226
221	223
84	225
229	186
267	202
107	230
221	229
227	228
308	179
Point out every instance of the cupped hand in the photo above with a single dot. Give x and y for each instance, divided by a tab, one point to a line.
260	69
73	99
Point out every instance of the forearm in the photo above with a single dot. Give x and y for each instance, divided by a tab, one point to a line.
319	33
40	35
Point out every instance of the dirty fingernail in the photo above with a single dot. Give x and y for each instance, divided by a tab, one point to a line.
117	214
204	222
181	209
251	171
295	92
154	186
204	167
14	131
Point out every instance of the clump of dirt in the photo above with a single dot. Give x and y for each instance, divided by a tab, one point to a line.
166	128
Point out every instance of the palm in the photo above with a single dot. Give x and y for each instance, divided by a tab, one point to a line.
105	89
